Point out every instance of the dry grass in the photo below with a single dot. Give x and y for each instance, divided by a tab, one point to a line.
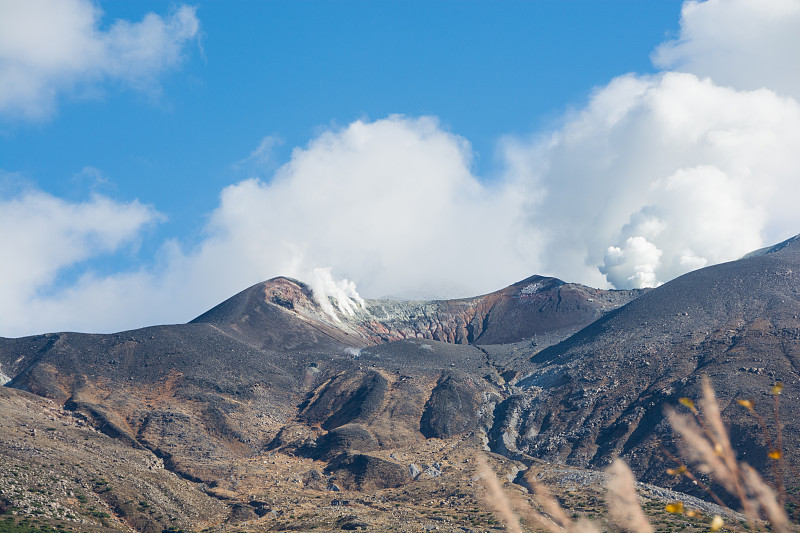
703	441
623	503
553	518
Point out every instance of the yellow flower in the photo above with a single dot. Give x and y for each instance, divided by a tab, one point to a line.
717	523
774	454
687	402
675	508
676	471
746	403
777	388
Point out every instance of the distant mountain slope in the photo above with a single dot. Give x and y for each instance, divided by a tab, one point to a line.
536	305
268	368
602	391
54	464
541	369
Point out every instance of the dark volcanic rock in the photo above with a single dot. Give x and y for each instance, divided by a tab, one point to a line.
347	398
602	392
546	369
282	314
452	408
274	315
350	437
366	472
241	512
534	306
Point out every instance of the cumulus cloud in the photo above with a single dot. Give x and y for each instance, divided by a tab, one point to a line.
660	175
390	204
49	47
42	235
382	203
747	44
633	265
655	176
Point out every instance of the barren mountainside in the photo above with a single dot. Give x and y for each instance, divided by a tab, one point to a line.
266	402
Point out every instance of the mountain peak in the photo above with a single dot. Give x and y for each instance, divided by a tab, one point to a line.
536	283
268	384
792	242
535	306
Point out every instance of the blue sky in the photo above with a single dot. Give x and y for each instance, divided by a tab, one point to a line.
287	69
179	153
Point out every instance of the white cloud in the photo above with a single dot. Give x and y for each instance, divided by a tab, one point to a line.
382	203
634	265
50	47
697	172
391	204
746	44
41	236
655	176
262	160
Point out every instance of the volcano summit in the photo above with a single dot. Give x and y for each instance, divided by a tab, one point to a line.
268	407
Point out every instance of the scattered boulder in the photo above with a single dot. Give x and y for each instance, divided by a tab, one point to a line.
347	398
366	472
350	437
434	470
452	407
241	512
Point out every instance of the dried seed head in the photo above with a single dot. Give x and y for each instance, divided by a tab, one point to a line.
767	499
623	502
697	448
496	497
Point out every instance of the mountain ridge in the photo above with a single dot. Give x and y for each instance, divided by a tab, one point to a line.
540	372
545	303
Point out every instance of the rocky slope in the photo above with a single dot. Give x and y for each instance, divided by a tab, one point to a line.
269	372
534	306
59	472
602	392
266	402
56	465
